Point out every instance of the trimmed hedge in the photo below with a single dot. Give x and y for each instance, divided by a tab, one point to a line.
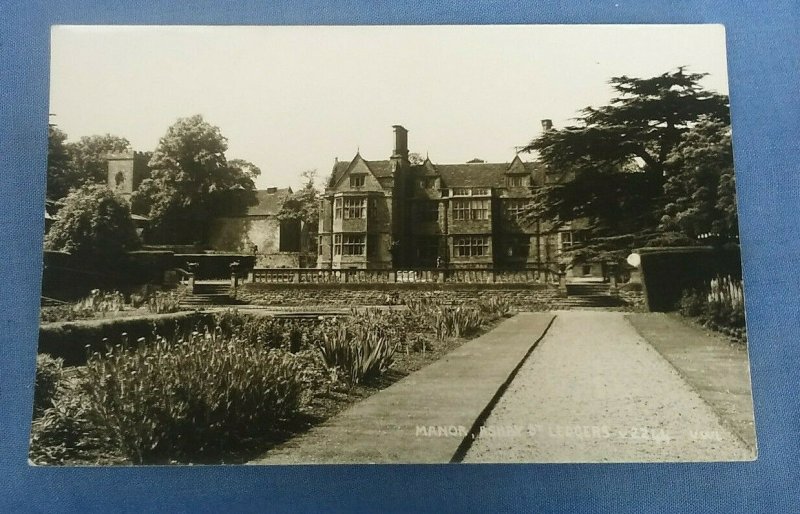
68	340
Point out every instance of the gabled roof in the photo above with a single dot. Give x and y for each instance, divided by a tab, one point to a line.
380	169
268	202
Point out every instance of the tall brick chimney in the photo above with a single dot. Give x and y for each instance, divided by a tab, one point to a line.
400	142
547	125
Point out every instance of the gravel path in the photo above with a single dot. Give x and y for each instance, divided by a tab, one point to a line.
595	391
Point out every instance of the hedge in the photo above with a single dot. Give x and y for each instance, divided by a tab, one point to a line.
68	339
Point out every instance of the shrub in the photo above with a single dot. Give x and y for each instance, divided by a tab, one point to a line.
361	351
49	372
692	303
190	399
720	306
495	307
101	302
95	224
64	433
726	302
163	302
456	322
289	334
67	312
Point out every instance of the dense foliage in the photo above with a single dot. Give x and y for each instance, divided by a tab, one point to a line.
62	174
89	155
190	179
362	350
303	205
206	395
719	305
71	165
95	224
700	189
49	372
183	400
616	160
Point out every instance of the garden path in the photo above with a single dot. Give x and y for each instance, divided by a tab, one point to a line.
426	416
595	391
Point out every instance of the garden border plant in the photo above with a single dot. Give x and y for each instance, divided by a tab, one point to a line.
233	386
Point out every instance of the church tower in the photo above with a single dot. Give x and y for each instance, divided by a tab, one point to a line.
120	173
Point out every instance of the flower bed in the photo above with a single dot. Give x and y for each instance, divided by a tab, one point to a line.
234	388
719	306
113	304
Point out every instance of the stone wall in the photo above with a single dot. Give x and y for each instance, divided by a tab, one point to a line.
238	234
537	297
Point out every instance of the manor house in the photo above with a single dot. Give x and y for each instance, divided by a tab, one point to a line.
395	214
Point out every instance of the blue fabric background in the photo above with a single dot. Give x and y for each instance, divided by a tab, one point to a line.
764	59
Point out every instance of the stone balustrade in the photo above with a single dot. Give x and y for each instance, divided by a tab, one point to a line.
399	276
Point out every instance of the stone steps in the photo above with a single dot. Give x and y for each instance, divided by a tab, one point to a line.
590	301
588	289
590	294
209	293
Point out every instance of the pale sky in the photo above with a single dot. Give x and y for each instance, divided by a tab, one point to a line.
293	98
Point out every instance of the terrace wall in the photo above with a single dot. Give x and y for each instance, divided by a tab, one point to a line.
523	296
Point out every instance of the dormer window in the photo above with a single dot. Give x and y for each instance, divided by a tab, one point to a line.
357	180
459	191
517	181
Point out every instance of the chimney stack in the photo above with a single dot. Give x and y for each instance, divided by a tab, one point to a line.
547	125
400	142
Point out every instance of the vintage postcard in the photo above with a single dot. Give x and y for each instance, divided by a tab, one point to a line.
391	244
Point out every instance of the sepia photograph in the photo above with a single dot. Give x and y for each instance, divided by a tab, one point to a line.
390	245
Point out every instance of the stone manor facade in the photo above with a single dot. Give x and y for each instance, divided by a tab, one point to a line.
388	214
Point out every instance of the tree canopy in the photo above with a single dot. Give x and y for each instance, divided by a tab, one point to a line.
700	188
61	172
189	179
615	160
303	204
89	155
93	223
71	165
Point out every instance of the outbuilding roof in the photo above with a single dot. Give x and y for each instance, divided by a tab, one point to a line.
269	202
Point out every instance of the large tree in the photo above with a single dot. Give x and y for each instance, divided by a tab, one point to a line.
89	155
613	159
94	224
700	190
189	177
62	175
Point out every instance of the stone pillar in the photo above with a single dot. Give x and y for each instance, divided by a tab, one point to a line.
234	266
296	277
612	276
193	267
562	279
